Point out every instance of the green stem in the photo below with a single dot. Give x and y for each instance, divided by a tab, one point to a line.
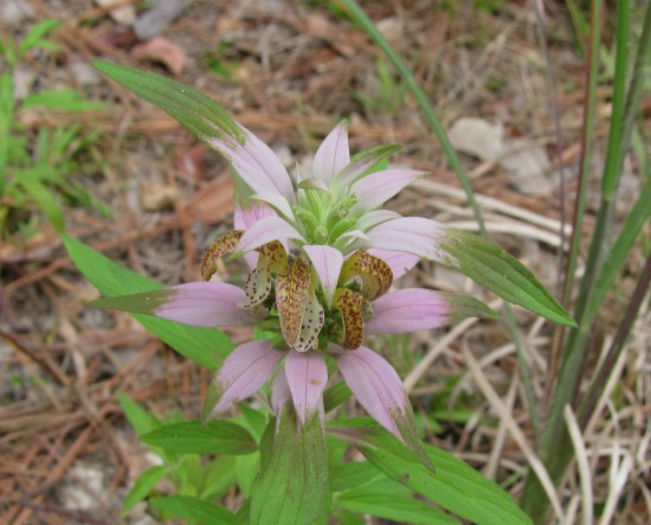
628	320
592	61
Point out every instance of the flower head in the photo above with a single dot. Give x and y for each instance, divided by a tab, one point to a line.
322	256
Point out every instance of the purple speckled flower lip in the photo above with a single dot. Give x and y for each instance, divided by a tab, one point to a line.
322	258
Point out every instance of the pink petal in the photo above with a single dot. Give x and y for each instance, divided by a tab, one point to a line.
279	392
376	188
333	154
399	262
408	310
195	304
244	218
278	202
375	217
414	235
256	164
244	371
327	262
205	304
267	230
376	385
307	376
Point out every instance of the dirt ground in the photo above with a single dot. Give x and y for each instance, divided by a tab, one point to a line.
290	70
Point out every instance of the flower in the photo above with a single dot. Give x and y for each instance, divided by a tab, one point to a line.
322	259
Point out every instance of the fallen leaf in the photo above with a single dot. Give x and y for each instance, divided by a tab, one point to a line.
213	203
190	162
160	49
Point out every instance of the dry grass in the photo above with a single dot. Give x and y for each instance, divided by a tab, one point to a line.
295	70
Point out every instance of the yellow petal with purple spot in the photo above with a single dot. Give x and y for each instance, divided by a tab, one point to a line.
375	275
292	290
223	246
350	304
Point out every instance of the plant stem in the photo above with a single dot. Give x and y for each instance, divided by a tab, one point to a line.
628	320
599	276
585	157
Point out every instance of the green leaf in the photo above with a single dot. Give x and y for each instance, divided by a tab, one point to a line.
6	116
293	483
201	115
205	346
455	485
43	196
387	499
500	272
353	474
336	395
143	486
219	475
33	38
140	419
194	510
62	99
217	437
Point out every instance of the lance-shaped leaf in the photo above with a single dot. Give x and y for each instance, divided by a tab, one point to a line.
379	389
205	346
327	262
413	309
194	437
193	509
201	115
474	256
307	375
194	304
244	372
455	486
224	245
375	275
350	304
333	153
272	261
292	486
253	160
377	188
313	320
292	290
503	274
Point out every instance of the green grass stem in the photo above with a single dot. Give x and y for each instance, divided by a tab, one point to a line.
433	121
604	263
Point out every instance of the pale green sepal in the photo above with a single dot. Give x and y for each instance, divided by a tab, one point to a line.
464	306
292	486
213	394
137	303
367	162
501	273
201	115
